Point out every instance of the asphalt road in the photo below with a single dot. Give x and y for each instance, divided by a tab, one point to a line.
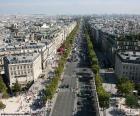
86	105
65	99
65	103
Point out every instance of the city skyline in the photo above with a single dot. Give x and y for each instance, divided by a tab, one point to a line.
54	7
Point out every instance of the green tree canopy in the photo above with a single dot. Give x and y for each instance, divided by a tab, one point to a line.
103	97
98	80
95	69
94	61
2	106
2	86
125	86
17	87
131	101
137	86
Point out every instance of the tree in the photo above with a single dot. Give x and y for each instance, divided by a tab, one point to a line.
98	80
94	61
103	97
5	95
137	86
125	86
131	101
2	106
95	69
122	79
2	86
17	87
3	89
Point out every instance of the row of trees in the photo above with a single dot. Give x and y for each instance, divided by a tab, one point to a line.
103	96
52	87
92	55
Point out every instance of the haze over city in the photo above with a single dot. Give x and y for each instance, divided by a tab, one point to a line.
56	7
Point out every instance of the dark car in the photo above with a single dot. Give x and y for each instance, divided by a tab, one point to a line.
67	86
69	60
79	103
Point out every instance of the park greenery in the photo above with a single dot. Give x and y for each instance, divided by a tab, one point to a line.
50	89
124	86
132	101
103	96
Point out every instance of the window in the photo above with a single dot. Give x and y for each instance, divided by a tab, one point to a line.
18	72
126	67
123	66
126	73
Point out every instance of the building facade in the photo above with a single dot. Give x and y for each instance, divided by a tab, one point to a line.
24	68
128	64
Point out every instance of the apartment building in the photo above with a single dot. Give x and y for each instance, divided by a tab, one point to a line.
23	49
128	64
24	68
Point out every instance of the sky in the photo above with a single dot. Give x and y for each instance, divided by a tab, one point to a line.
58	7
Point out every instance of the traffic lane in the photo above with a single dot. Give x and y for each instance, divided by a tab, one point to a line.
65	100
87	108
68	104
69	79
64	104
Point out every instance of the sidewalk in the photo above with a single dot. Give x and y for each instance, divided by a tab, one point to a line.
21	103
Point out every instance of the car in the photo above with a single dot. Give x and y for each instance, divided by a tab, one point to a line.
75	60
67	86
61	86
79	103
69	60
84	69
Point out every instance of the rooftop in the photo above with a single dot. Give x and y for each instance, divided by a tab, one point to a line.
21	46
24	58
130	56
